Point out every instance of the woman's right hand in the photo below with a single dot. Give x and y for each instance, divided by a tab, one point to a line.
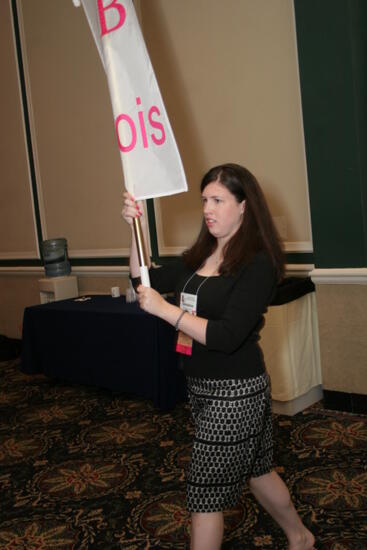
131	209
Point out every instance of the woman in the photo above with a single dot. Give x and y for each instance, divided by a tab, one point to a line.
225	282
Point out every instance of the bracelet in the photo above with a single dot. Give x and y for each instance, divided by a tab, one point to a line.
179	318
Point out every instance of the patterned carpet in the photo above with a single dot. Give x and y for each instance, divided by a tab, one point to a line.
83	468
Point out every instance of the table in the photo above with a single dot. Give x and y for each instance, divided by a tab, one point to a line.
106	342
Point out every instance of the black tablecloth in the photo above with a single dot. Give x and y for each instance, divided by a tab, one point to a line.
104	342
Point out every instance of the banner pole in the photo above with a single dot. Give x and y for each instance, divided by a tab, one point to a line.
142	253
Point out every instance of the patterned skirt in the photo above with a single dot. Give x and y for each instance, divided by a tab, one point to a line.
233	439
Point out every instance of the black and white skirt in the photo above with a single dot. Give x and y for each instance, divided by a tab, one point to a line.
233	439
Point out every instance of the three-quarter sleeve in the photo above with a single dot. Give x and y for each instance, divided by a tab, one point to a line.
164	279
243	312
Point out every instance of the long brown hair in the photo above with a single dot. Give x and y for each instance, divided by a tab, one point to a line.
257	231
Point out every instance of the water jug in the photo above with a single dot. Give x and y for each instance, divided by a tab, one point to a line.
55	257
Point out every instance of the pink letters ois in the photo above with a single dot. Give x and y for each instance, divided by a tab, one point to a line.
154	123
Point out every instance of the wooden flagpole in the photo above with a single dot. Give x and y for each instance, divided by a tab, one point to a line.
142	253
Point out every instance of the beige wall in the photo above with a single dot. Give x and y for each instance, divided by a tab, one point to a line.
342	313
16	293
229	77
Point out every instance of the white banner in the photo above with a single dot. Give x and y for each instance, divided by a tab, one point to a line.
150	159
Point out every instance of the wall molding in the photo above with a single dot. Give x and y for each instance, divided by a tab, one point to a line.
297	270
21	270
298	246
170	250
99	253
80	271
289	246
101	271
19	255
340	276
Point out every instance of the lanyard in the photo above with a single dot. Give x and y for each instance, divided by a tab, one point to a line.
200	285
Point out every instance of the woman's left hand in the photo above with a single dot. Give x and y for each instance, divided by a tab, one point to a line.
150	300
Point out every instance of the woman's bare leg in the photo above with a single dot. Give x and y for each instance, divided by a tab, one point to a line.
206	530
273	495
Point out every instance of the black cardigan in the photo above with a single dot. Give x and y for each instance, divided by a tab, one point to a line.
234	306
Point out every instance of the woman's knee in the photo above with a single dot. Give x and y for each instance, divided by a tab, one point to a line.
259	481
270	488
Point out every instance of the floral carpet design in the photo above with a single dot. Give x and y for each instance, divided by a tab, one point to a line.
81	468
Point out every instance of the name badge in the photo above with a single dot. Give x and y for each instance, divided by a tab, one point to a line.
188	302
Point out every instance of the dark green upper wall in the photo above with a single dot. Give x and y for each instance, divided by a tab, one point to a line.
331	36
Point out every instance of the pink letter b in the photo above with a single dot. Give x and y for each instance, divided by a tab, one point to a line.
102	19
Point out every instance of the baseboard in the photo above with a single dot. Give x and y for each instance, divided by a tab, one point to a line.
346	402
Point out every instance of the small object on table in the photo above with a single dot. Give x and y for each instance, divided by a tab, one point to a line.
115	292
